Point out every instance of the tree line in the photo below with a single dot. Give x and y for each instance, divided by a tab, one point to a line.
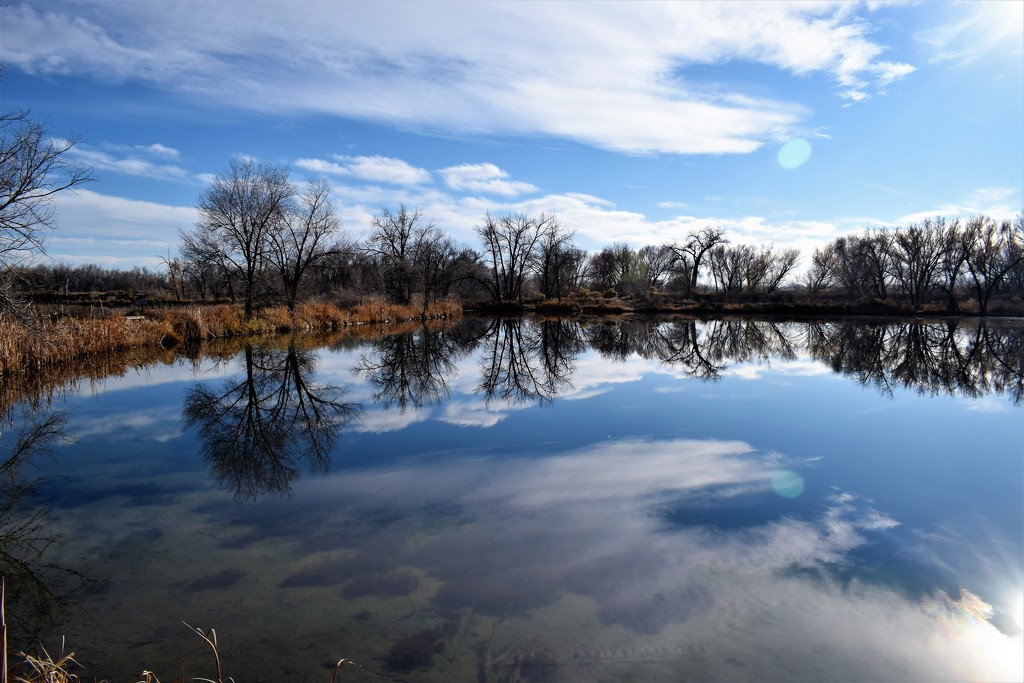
262	240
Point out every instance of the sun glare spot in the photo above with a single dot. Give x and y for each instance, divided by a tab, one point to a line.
794	153
788	483
979	651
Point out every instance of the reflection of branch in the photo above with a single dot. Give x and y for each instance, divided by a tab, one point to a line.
259	429
527	361
925	357
412	368
36	589
681	347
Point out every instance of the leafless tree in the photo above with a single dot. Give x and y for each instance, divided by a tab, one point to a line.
392	234
993	249
729	265
861	264
511	251
435	256
917	253
693	251
34	168
558	262
239	214
309	234
821	274
413	257
654	265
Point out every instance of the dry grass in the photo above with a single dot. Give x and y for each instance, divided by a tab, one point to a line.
42	667
66	339
60	339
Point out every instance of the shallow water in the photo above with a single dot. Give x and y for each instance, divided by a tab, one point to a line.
550	501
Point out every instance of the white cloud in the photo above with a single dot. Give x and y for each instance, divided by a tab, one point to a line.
477	413
995	202
88	215
486	178
607	75
157	149
322	167
988	404
122	232
588	523
131	161
785	368
382	420
971	31
386	170
369	168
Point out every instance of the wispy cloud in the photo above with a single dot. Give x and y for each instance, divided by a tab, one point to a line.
971	31
484	178
996	202
147	161
120	229
603	74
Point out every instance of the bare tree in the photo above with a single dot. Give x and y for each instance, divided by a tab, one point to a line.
510	252
390	242
697	245
654	265
917	253
779	264
729	266
413	257
993	250
821	274
615	267
861	263
175	271
434	256
557	262
34	168
309	234
239	214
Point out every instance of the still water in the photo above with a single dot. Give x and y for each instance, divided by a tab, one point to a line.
630	500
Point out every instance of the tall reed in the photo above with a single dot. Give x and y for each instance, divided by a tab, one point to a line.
60	339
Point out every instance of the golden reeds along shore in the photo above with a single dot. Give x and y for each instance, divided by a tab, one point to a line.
55	338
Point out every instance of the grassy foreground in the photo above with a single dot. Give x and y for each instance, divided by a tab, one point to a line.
57	339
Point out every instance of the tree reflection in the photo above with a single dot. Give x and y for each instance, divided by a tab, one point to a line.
258	430
535	360
36	590
528	360
928	357
685	347
412	369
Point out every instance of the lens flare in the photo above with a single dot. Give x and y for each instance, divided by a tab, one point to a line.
794	153
788	483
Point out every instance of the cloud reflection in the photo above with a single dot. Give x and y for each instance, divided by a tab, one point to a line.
770	599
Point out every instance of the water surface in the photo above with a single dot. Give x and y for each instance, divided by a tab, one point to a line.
550	501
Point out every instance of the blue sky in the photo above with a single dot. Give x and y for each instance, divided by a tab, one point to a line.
631	122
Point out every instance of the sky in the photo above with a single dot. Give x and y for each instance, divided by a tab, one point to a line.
782	123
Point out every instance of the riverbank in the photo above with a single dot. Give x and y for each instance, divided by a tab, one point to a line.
58	338
782	305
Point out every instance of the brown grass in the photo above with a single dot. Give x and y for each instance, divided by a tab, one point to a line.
59	339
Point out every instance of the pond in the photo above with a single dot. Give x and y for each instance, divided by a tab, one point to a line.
537	500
